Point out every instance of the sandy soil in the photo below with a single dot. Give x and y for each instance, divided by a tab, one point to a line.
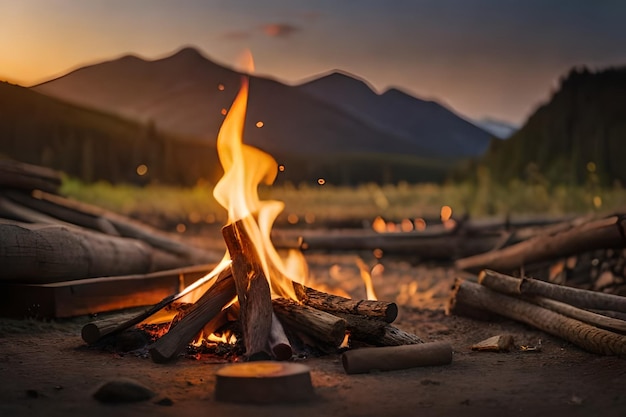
45	369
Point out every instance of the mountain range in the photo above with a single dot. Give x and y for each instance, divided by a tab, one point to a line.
577	137
335	126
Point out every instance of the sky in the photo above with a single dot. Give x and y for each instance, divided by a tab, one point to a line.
482	58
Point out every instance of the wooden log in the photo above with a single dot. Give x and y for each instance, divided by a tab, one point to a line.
253	290
581	334
397	337
264	383
279	345
574	296
384	310
602	233
128	227
441	245
50	253
94	295
595	319
24	176
392	358
204	310
58	214
318	324
182	277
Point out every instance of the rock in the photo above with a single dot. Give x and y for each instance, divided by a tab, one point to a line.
123	390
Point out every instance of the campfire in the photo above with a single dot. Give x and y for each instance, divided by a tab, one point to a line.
264	296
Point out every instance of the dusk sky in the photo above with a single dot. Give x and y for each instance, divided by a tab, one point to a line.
495	58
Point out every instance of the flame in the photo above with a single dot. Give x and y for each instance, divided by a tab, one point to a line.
367	279
245	168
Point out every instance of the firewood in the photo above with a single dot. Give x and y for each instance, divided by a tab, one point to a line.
590	338
444	244
397	337
499	343
595	319
203	310
279	344
574	296
96	330
392	358
58	214
602	233
263	383
318	324
128	227
50	253
20	175
384	310
253	290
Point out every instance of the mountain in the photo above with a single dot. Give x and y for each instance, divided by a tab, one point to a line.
94	145
579	136
426	124
498	128
186	94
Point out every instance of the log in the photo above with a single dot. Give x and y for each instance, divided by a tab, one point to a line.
603	233
253	290
50	253
24	176
397	337
574	296
595	319
128	227
384	310
279	345
203	310
93	295
263	383
392	358
318	324
442	245
590	338
61	214
180	278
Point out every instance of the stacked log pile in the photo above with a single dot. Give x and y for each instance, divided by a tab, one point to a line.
62	258
568	282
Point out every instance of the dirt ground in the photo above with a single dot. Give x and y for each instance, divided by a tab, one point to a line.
46	369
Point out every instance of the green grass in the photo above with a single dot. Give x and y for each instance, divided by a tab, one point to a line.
333	203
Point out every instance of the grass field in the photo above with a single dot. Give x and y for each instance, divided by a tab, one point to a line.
328	203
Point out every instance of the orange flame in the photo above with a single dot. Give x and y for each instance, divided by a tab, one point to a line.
245	168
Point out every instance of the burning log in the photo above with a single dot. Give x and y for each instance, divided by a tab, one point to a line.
253	290
206	308
469	295
95	331
320	325
384	310
603	233
392	358
575	296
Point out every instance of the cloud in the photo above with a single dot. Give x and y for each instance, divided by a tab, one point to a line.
236	35
279	30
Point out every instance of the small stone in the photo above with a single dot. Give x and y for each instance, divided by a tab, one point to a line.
166	401
123	390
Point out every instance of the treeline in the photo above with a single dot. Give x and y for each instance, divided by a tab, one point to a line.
577	137
92	145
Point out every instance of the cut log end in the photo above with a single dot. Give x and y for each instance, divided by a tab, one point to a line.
264	383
